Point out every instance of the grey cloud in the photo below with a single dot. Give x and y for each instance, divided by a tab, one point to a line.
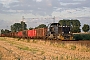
4	24
1	8
76	3
36	7
45	7
84	20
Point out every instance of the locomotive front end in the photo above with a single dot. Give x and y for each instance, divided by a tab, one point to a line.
56	31
65	33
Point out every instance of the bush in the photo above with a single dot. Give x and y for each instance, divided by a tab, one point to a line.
82	36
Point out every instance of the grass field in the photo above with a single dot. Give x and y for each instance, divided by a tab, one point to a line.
14	49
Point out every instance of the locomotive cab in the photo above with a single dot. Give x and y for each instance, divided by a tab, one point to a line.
56	31
53	30
66	33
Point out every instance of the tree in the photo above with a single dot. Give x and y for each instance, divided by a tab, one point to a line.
2	31
76	30
30	28
18	27
12	28
85	28
23	26
5	31
41	26
74	24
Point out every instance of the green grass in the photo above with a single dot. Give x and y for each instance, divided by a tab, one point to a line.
85	49
33	50
0	56
73	47
42	52
81	36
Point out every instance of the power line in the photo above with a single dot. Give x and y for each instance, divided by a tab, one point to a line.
40	18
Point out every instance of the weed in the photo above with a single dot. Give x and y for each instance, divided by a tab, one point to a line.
28	40
85	49
44	58
19	39
73	47
54	58
62	44
62	57
67	57
18	58
23	48
34	41
0	56
76	59
33	50
42	52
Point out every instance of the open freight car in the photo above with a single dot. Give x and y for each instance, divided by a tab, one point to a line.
41	32
31	33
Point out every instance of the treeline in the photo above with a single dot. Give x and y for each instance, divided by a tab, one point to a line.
20	27
81	36
74	24
5	31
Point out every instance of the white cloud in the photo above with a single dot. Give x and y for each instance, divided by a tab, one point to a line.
13	10
38	0
79	0
64	4
7	1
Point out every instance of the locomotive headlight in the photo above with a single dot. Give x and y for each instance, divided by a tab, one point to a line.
69	32
62	32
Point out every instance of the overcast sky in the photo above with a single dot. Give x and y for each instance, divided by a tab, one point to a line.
11	11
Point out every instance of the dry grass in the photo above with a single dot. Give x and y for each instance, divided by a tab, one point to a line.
42	50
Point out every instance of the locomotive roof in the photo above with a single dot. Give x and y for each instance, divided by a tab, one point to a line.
54	23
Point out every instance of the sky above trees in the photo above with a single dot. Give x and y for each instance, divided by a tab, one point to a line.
11	11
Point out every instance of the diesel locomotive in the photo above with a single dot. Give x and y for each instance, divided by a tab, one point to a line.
56	31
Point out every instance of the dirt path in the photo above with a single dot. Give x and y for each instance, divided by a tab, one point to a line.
12	49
